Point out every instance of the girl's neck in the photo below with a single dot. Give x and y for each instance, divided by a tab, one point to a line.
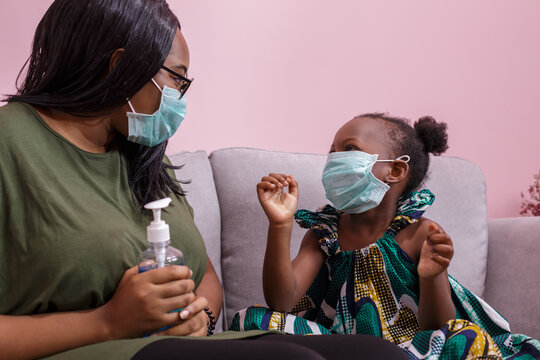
360	230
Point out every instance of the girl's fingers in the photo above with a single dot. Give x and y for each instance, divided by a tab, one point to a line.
265	186
441	260
440	239
282	178
433	227
446	251
293	187
279	180
272	180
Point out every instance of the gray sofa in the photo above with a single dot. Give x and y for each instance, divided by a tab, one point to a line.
498	259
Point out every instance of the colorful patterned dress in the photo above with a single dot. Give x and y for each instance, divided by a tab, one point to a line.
375	291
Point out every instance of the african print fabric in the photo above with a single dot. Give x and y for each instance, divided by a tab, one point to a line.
375	291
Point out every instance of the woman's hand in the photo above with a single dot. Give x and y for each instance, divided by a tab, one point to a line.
194	320
278	204
145	302
436	253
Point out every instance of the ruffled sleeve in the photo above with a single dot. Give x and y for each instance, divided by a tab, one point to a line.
324	223
410	209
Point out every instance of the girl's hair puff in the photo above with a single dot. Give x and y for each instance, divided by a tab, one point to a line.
425	137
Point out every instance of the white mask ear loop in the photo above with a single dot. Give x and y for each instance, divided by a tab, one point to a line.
155	83
131	106
129	102
405	158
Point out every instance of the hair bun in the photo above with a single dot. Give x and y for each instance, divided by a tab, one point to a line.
432	134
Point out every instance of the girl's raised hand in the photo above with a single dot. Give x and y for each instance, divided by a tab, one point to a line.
436	253
278	204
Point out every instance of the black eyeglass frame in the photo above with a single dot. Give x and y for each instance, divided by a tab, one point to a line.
187	81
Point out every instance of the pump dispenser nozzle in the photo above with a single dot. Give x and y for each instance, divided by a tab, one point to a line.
158	230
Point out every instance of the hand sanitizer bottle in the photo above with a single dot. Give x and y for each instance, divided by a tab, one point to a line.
159	254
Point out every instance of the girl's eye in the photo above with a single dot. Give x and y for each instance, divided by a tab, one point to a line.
351	148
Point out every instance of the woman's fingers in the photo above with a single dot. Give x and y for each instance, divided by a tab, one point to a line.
172	304
167	274
175	288
197	305
191	320
195	326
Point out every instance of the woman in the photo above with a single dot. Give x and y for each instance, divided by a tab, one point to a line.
82	150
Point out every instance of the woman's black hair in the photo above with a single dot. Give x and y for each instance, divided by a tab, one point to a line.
426	137
69	70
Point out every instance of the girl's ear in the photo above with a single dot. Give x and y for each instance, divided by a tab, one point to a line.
399	170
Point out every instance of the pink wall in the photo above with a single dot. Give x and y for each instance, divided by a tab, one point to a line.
285	74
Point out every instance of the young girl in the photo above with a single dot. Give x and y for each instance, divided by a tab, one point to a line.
370	263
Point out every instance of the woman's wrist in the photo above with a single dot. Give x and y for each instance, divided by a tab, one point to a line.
106	329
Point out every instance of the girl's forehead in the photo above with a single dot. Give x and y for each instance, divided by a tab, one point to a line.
365	130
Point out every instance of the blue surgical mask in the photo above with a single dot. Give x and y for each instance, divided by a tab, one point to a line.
349	183
151	130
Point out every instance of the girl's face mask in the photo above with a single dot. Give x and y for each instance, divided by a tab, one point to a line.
349	183
151	130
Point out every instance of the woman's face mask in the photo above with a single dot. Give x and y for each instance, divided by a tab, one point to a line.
349	182
151	130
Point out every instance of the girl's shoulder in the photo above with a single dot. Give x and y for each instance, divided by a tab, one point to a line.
411	238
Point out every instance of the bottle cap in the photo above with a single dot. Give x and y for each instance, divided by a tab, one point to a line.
158	230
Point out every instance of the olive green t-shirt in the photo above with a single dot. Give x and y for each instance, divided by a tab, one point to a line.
69	226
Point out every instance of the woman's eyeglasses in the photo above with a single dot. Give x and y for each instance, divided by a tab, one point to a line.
183	82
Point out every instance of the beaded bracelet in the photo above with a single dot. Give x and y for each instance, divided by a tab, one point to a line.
211	321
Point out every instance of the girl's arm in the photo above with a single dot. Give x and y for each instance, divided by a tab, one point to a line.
435	307
285	282
141	304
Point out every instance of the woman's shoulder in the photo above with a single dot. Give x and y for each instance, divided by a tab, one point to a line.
15	110
16	119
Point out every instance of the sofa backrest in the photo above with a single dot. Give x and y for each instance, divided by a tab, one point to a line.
460	207
201	195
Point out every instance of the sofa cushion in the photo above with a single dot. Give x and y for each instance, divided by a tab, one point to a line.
513	273
459	207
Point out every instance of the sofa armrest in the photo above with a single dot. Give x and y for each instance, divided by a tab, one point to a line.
513	272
